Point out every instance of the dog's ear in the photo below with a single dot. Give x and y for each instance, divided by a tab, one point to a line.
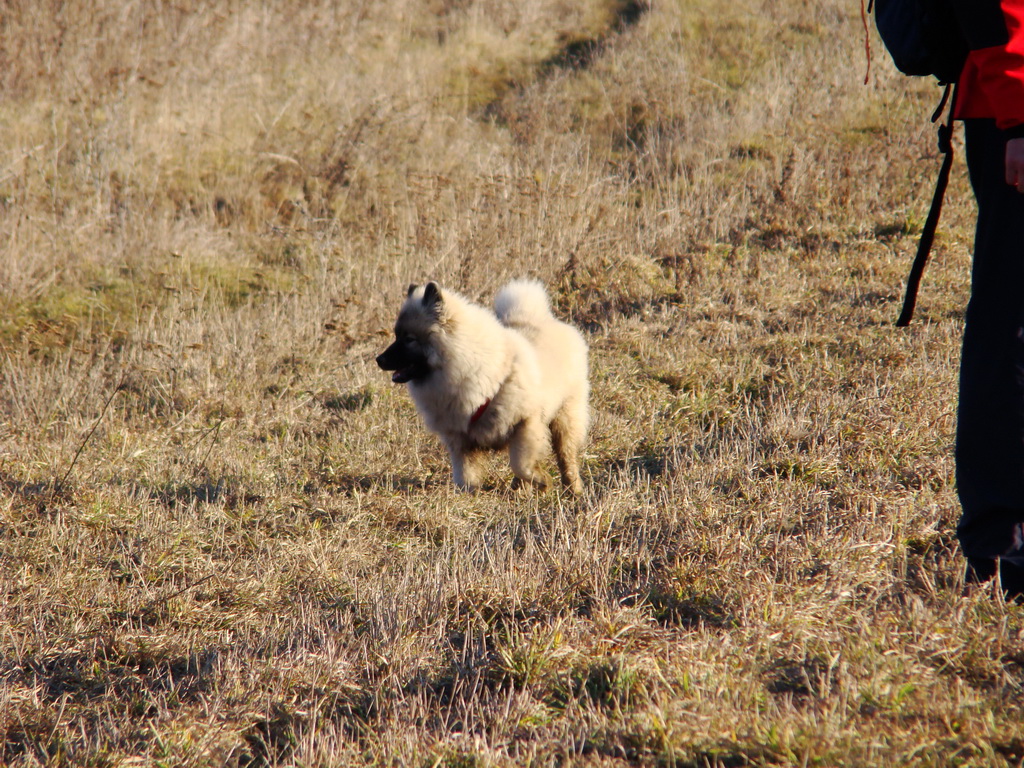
412	288
432	297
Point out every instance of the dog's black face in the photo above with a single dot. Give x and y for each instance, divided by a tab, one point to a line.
409	356
406	357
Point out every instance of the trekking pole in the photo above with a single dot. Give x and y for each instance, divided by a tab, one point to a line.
924	245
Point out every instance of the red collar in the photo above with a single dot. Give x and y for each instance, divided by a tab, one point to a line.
479	412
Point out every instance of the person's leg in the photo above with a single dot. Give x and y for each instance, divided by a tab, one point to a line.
990	419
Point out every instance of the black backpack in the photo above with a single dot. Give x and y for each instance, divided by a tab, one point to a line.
924	39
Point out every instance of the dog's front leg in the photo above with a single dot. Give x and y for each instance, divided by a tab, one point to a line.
466	464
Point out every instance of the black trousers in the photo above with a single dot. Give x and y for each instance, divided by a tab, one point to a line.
990	419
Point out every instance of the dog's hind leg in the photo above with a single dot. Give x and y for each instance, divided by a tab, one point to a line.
568	429
527	445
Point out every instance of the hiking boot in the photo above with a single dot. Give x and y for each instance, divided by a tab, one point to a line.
1011	579
980	570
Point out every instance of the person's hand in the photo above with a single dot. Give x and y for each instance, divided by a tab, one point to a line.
1015	163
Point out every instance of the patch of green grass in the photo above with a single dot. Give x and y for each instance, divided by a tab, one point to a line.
102	306
226	280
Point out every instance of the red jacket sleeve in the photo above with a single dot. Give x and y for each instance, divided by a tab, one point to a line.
994	76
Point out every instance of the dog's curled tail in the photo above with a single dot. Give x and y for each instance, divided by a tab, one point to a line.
522	303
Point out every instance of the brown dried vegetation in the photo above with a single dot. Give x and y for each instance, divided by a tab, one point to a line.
225	537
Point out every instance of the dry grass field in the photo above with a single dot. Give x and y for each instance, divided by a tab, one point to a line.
227	539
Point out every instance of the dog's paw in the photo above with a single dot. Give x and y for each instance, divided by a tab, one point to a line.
574	488
538	481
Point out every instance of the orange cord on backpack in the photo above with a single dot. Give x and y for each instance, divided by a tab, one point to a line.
867	36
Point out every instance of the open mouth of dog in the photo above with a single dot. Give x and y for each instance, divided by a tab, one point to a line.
406	366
